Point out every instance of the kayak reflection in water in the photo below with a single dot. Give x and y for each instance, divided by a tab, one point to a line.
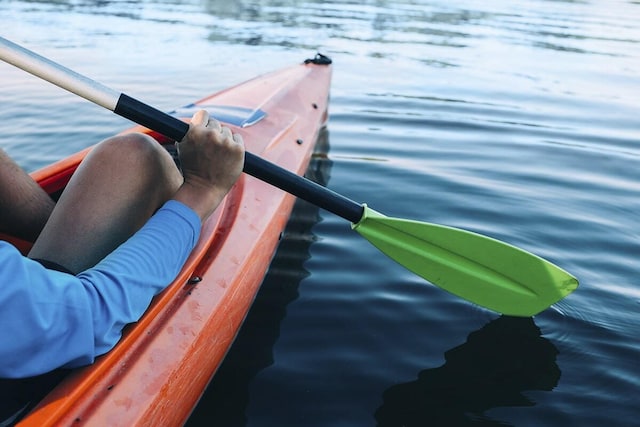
492	369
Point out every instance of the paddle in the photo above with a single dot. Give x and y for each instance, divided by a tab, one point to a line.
477	268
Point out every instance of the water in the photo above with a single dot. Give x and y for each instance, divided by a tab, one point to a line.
513	119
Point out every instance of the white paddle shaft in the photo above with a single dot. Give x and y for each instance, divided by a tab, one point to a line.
58	75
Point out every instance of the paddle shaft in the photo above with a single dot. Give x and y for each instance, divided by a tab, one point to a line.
255	166
172	127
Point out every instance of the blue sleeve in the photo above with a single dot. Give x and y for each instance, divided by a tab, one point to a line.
50	319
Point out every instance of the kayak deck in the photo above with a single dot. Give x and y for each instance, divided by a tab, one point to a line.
163	363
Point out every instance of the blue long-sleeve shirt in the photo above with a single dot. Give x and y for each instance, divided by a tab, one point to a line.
50	319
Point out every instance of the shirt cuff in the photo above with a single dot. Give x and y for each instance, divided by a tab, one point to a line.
184	212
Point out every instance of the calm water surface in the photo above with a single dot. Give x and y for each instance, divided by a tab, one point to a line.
518	120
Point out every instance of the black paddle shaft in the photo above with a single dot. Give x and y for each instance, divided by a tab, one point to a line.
255	166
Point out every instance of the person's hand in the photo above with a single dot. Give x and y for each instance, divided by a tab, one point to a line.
212	159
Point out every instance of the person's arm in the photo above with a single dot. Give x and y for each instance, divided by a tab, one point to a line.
51	319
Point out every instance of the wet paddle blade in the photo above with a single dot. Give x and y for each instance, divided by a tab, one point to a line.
477	268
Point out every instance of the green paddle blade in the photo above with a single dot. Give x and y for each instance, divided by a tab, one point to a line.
480	269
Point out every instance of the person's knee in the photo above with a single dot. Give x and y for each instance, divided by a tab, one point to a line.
139	154
136	147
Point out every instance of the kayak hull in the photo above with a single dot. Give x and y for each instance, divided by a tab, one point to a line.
160	368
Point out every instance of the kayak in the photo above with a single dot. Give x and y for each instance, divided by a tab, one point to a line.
163	363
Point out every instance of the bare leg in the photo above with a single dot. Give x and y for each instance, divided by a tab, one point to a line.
116	189
24	206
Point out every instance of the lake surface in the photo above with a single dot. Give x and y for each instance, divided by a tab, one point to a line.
517	120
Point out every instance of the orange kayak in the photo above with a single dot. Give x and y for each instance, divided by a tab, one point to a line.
162	365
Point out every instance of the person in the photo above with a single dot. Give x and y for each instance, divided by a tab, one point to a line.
95	265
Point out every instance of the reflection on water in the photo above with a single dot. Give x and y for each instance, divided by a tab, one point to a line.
492	369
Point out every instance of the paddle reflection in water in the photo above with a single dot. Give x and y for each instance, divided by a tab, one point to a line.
492	369
228	393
